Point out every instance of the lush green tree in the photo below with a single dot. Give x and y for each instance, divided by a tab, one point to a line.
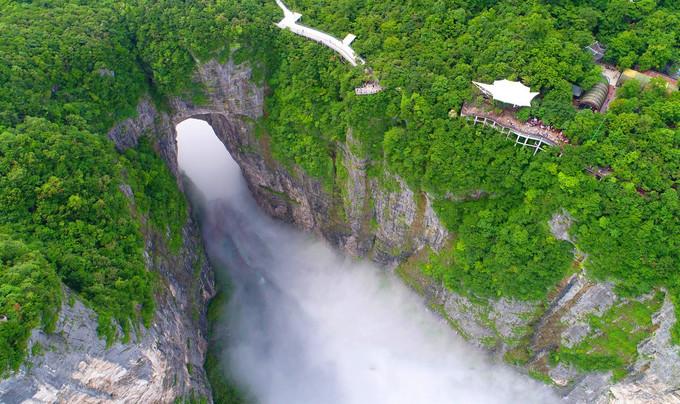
59	186
30	297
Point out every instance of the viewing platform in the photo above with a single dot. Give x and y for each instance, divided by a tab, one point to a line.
341	47
526	134
368	89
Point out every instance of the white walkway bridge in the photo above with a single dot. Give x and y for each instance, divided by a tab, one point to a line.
342	47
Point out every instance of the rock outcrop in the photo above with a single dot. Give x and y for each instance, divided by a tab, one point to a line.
653	378
74	365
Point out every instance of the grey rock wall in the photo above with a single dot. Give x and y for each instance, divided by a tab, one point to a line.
654	377
73	365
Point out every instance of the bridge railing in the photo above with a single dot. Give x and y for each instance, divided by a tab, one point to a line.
290	21
520	138
547	137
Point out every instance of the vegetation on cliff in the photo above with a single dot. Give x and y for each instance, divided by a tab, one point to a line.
614	338
70	70
224	389
30	295
494	197
59	189
626	222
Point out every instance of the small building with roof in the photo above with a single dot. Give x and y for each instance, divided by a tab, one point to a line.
595	97
597	50
368	88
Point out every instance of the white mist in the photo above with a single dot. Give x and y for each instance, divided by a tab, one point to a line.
309	326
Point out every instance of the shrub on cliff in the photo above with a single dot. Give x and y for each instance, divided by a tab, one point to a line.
30	297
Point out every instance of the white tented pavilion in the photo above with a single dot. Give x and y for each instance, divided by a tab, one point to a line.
509	92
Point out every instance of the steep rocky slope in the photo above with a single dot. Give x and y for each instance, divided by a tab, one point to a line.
74	365
364	216
385	220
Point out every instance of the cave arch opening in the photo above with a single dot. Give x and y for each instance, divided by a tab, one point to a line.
204	159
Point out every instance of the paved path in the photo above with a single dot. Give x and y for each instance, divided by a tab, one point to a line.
342	47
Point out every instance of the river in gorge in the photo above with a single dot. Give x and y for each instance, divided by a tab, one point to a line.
307	325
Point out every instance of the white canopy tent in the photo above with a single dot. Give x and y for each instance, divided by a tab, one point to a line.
510	92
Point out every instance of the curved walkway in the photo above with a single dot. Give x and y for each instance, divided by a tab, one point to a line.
342	47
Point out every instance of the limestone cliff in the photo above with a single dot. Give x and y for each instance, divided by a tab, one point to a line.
73	365
393	225
364	216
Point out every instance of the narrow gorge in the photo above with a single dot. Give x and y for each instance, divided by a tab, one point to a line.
306	325
391	225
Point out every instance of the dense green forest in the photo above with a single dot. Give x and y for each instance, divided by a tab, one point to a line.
70	69
68	72
29	297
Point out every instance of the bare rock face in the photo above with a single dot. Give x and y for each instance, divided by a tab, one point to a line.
356	200
494	325
127	133
165	361
560	224
595	299
655	377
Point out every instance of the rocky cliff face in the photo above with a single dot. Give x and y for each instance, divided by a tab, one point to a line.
378	218
653	378
385	220
73	365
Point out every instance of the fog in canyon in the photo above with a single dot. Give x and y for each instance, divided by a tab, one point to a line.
307	325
